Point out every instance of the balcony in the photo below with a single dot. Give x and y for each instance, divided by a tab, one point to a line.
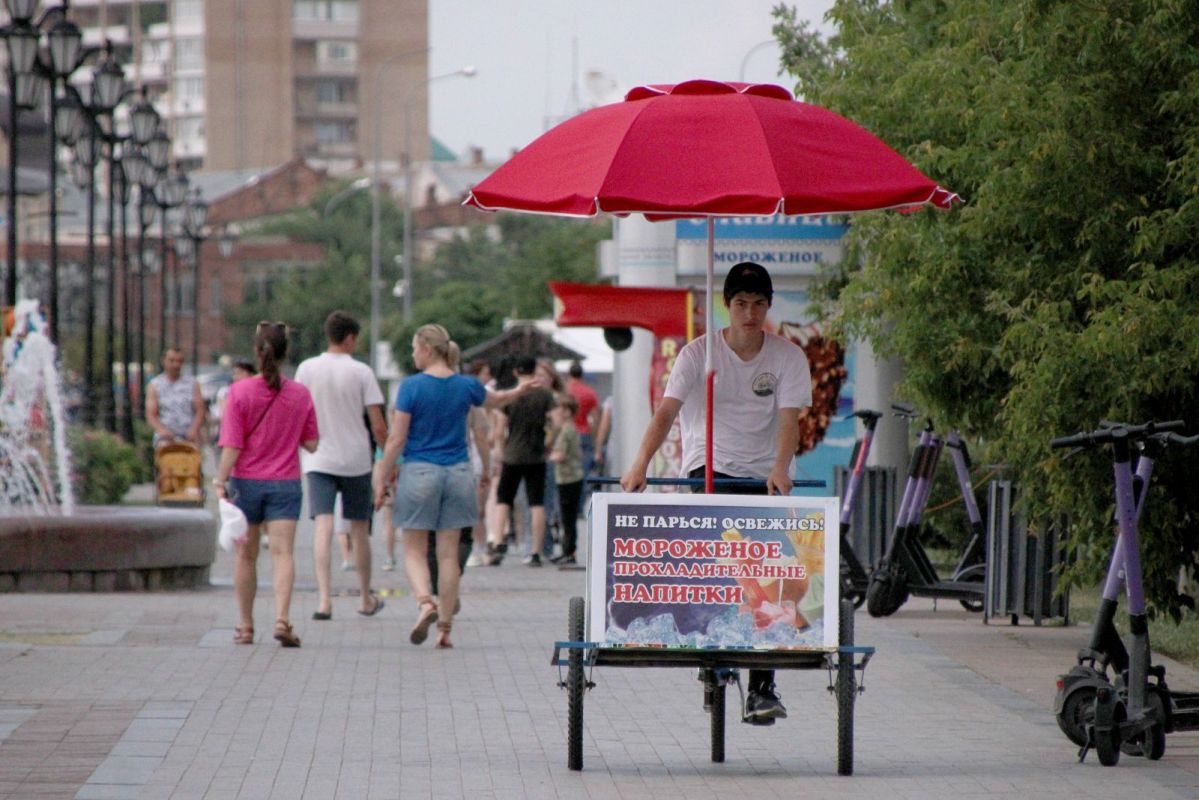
312	29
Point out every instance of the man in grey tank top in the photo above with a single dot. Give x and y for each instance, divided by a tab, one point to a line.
174	407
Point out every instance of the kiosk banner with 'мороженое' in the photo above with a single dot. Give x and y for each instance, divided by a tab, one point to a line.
713	571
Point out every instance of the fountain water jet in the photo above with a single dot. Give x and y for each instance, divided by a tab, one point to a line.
46	542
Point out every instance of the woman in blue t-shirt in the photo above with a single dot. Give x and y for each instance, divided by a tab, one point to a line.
436	490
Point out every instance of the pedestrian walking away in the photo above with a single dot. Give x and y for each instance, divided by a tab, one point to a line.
524	456
343	390
267	419
762	383
566	454
436	489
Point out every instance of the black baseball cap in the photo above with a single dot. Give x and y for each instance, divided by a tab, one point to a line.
750	278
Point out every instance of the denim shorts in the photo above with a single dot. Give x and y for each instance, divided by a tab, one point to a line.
430	497
355	491
263	501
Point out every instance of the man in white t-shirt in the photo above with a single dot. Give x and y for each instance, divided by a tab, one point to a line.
762	383
343	390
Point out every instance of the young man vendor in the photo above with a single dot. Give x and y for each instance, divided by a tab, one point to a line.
762	383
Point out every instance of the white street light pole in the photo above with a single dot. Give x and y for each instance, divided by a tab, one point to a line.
409	254
377	135
752	50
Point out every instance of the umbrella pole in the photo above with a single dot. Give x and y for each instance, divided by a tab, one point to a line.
710	370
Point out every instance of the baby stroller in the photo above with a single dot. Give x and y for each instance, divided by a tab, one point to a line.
178	475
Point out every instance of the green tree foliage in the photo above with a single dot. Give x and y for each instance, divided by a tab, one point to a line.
1066	289
303	296
476	280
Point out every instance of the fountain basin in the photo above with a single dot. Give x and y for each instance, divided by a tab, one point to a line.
107	548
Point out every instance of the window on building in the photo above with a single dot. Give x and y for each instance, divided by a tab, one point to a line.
325	10
337	52
189	88
189	10
333	92
214	295
189	54
334	132
190	128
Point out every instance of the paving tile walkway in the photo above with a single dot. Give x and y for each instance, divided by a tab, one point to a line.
143	696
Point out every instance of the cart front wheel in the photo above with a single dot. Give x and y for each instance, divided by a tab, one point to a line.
575	687
716	709
846	691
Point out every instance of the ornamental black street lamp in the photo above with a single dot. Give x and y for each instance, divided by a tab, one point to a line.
83	170
195	219
66	55
22	40
133	167
169	193
108	87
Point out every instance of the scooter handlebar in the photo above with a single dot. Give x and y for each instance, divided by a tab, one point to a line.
1112	430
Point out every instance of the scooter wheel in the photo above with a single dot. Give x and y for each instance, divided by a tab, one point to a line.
975	574
888	591
1152	743
1107	742
1077	714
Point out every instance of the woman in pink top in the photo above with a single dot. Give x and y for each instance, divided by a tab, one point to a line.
267	419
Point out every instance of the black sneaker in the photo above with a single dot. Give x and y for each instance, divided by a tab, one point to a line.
533	560
495	553
763	706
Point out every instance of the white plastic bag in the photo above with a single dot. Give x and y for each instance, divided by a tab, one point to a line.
233	527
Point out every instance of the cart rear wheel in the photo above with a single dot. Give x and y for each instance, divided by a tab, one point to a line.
717	719
575	687
846	691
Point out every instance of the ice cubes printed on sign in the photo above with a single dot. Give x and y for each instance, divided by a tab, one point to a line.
731	629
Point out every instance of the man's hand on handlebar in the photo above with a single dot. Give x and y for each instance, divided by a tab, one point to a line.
633	480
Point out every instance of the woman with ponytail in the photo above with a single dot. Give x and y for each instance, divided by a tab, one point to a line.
267	419
436	490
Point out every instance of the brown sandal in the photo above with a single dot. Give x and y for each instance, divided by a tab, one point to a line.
285	635
443	635
243	636
428	615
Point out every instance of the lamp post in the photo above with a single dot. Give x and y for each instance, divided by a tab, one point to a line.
409	254
170	193
22	40
84	172
195	217
108	87
66	55
376	200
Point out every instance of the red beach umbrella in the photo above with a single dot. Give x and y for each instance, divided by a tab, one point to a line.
707	149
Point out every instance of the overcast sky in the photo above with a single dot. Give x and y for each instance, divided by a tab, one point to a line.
524	51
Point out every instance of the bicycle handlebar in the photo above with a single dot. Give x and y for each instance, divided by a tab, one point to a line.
1114	430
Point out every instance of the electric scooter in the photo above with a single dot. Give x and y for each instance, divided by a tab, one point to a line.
854	577
906	568
1130	708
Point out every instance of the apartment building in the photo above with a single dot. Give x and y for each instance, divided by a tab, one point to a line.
252	84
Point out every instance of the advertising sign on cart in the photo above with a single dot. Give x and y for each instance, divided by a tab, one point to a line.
713	571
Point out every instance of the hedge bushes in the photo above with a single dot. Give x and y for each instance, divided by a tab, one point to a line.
104	466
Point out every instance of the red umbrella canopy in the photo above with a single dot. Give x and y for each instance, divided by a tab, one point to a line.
707	148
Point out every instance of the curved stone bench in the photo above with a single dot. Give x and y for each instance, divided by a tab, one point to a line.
107	548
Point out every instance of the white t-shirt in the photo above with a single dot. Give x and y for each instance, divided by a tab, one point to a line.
341	390
748	396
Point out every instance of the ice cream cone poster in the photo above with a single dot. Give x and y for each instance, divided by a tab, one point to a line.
713	571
